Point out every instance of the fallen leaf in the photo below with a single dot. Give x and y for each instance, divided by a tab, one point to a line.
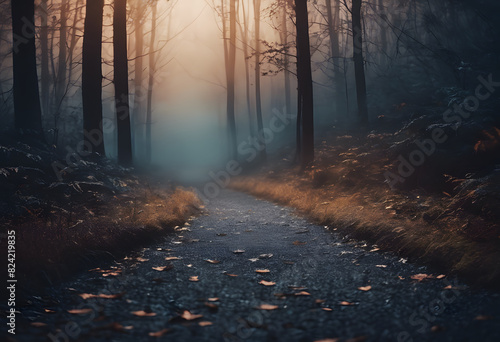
254	259
441	276
299	243
345	303
267	307
231	275
262	271
38	324
213	299
142	259
159	333
113	273
205	323
365	288
172	258
86	296
163	268
381	266
142	313
327	309
193	278
302	293
421	277
267	283
188	316
375	250
49	311
239	251
265	256
212	261
80	311
483	318
319	301
401	278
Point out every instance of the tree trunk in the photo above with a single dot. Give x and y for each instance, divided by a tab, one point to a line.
230	74
304	79
138	115
244	35
92	76
152	70
286	58
258	98
27	108
44	46
61	67
333	32
359	68
120	63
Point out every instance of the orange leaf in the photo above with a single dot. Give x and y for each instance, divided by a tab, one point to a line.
303	293
441	276
345	303
142	313
327	309
159	333
205	323
267	283
212	261
213	299
172	258
365	288
163	268
231	275
299	243
193	278
319	301
267	307
142	259
49	311
79	311
262	271
188	316
421	277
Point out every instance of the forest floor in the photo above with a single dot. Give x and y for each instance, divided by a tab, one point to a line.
442	211
249	270
95	211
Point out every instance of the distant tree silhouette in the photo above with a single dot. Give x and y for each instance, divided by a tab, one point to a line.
120	63
27	108
359	68
92	76
305	110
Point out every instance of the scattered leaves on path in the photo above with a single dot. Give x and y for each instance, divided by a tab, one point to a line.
163	268
268	307
365	288
193	278
172	258
86	296
421	277
267	283
79	311
262	271
188	316
142	313
345	303
159	333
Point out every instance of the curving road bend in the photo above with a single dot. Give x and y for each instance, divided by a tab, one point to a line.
315	287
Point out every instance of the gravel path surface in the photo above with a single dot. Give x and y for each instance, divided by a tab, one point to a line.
314	286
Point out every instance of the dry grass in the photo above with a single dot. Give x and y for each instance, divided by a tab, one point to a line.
367	214
55	244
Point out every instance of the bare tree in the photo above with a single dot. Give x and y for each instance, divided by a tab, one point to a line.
120	63
359	68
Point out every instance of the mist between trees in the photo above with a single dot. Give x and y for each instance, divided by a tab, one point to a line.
69	67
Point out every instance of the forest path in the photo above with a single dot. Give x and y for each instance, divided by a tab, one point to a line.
316	292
